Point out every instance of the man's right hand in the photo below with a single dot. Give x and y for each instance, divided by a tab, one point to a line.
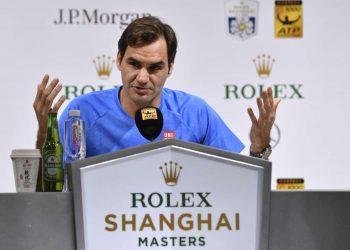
45	96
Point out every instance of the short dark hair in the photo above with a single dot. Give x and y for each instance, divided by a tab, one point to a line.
146	30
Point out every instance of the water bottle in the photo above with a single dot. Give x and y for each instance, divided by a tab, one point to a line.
74	145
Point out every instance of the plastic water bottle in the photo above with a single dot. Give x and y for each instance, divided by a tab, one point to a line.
74	145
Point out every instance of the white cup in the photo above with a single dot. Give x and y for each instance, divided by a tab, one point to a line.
25	168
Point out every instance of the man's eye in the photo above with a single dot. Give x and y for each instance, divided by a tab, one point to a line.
134	64
154	68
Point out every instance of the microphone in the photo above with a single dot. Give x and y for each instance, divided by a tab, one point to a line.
149	121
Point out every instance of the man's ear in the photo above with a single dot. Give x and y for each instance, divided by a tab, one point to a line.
171	68
119	60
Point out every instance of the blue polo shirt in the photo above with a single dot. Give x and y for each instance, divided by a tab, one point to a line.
186	117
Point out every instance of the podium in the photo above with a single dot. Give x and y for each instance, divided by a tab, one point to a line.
172	195
303	220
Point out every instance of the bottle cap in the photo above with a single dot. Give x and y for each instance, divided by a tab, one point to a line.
74	112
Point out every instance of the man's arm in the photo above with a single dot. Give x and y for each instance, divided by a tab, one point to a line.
45	96
261	126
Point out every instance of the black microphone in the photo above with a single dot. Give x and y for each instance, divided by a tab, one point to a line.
149	121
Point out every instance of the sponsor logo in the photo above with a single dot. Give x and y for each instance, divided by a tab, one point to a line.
153	216
288	19
169	135
263	65
103	65
241	18
72	91
290	183
171	173
95	17
149	114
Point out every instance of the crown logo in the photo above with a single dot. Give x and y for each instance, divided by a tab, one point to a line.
263	65
171	173
103	65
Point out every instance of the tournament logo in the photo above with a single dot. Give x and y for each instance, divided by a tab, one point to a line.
288	19
162	219
149	114
241	18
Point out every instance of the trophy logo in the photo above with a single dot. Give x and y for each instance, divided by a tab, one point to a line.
171	172
103	65
288	19
241	18
263	65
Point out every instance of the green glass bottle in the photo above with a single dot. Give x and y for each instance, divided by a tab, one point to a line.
52	157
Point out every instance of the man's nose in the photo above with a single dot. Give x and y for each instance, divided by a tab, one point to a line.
143	76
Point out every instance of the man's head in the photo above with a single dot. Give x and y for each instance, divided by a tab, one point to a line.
145	59
146	30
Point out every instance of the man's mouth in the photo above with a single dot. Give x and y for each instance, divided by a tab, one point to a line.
141	90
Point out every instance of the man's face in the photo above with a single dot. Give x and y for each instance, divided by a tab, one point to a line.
144	71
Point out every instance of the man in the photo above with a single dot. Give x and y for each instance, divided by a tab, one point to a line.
145	59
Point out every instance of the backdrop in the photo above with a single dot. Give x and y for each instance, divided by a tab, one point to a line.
228	51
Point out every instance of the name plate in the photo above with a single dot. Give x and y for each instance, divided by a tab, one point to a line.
163	196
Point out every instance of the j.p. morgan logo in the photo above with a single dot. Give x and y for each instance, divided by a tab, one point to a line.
263	65
95	17
161	219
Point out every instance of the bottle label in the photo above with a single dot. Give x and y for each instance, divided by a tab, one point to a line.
76	135
52	165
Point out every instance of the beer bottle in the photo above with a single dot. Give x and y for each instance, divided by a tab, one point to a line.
52	157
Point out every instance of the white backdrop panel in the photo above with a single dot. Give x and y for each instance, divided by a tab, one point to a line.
314	130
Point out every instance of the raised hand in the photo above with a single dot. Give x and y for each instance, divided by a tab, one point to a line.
261	126
44	99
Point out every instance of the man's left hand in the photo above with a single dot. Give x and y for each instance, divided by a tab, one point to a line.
261	126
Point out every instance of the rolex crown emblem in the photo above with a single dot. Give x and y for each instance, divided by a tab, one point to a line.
103	65
263	65
171	172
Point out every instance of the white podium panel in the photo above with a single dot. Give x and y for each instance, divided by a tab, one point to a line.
172	195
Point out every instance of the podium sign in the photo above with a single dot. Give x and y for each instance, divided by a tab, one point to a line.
172	195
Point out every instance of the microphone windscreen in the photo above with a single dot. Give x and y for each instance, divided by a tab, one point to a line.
149	121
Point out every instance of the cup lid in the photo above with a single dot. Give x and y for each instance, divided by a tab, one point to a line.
25	153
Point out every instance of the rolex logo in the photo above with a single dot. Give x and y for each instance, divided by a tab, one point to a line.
263	65
103	65
171	172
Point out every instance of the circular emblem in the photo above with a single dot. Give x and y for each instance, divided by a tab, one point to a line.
275	135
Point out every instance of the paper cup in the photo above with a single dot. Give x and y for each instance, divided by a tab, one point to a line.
25	168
